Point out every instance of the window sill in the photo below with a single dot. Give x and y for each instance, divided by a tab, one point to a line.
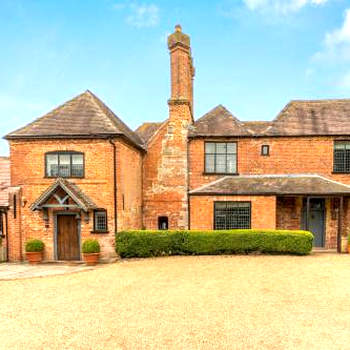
214	174
97	232
64	177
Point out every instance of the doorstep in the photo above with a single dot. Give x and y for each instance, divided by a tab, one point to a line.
324	250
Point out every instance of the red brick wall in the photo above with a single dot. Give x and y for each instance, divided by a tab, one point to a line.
27	171
289	213
129	187
14	236
292	155
263	211
165	172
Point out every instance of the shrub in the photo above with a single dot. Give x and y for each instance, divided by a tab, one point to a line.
156	243
91	246
34	245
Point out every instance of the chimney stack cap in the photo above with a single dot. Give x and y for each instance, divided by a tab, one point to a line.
178	38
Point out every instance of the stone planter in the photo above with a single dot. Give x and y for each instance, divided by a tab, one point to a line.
91	259
34	257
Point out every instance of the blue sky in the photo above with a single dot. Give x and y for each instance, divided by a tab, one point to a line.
252	56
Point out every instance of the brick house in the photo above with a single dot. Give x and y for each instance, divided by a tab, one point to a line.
80	172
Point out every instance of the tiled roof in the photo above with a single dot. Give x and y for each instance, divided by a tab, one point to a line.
273	185
83	116
218	122
298	118
147	130
257	127
317	117
4	180
76	194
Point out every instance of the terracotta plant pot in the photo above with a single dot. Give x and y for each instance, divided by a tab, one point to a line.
91	259
34	257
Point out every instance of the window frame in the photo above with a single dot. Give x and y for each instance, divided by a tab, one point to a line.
215	172
225	202
95	230
334	150
267	154
2	233
71	154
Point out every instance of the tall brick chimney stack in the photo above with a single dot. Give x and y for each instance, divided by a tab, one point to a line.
166	164
182	70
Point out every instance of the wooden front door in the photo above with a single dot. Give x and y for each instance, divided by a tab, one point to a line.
67	238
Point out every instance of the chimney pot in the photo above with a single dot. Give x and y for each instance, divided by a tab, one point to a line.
178	28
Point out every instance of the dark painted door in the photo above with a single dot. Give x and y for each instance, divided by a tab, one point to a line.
316	220
67	238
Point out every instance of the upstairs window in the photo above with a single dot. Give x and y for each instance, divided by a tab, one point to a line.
221	157
265	150
64	164
341	157
100	220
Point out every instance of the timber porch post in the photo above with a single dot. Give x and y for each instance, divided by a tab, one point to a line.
340	224
307	213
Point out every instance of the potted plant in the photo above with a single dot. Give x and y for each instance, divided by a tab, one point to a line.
34	251
91	251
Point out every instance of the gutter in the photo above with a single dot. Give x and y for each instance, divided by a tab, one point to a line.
114	184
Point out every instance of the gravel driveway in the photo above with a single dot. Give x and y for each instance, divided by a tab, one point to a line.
208	302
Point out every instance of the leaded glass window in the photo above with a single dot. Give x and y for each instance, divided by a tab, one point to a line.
221	157
64	164
100	221
232	215
342	157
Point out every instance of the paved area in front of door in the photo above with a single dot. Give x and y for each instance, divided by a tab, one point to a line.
12	271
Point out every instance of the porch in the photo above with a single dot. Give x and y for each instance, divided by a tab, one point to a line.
291	202
325	216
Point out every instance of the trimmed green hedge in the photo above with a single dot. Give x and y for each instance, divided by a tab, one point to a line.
146	243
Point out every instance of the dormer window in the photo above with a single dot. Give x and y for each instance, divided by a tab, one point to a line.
221	157
64	164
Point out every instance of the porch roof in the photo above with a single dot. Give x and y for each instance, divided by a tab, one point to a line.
300	184
73	191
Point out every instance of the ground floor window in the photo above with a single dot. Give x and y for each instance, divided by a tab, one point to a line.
232	215
100	220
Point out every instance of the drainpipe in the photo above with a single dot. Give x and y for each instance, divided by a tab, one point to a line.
7	237
188	184
114	183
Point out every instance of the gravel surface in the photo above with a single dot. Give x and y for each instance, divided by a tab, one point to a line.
208	302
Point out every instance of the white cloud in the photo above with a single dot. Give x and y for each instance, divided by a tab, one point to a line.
336	46
139	15
341	35
283	7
